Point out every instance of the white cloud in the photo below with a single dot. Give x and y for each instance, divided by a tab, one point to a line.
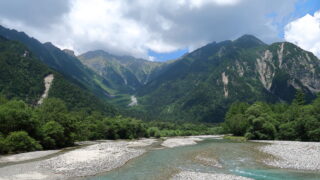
135	27
305	32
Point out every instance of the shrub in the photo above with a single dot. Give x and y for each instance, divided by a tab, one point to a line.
53	135
20	141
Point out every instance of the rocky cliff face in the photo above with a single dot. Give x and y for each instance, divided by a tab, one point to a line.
200	86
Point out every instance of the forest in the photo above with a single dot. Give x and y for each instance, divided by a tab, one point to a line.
52	125
262	121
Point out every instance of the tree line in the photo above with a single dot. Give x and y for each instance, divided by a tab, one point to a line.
52	125
260	120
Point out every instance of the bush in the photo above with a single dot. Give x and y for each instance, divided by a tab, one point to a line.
3	145
20	141
154	132
53	135
15	116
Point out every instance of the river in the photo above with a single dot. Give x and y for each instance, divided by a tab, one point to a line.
242	159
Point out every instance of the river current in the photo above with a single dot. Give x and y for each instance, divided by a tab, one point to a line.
242	159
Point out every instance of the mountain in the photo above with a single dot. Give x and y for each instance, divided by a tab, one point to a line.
201	85
22	77
60	61
198	87
125	74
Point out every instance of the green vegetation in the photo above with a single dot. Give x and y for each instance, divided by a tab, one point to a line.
58	60
295	121
53	125
22	78
122	74
201	85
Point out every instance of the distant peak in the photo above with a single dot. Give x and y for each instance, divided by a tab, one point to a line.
248	37
48	44
248	41
70	52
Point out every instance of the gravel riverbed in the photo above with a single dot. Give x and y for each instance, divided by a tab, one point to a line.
85	161
186	140
190	175
26	156
293	154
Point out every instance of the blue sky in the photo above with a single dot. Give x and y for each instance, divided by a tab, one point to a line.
167	56
302	8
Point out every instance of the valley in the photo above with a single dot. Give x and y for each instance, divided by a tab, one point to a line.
230	107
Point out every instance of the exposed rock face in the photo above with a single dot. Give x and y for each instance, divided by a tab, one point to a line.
133	102
201	85
240	69
280	54
47	84
300	66
225	81
265	68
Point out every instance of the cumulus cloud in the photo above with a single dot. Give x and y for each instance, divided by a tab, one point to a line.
305	32
135	27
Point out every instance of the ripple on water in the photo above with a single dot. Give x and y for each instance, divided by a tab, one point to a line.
242	159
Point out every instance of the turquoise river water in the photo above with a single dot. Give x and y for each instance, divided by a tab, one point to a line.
241	159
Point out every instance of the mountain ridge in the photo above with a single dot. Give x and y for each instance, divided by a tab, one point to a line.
62	62
197	87
200	86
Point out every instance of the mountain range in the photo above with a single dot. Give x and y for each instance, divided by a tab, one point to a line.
198	87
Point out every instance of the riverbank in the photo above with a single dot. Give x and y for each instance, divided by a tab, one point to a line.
186	140
190	175
95	157
26	156
85	161
92	157
292	154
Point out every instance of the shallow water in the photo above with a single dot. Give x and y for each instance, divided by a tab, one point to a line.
236	158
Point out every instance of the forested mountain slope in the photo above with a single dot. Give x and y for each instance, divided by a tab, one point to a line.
126	74
60	61
201	85
22	77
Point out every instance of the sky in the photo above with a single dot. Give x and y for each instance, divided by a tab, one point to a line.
160	30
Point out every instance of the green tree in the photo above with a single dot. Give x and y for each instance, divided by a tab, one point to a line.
54	109
20	141
3	145
53	135
261	122
15	116
299	98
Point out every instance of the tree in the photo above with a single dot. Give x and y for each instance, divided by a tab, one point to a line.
53	135
54	109
3	145
20	141
3	99
299	98
235	120
15	116
261	123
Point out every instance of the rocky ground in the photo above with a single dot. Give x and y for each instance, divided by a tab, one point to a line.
293	154
26	156
184	141
85	161
190	175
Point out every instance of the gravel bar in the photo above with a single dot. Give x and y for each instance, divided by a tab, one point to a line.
189	175
293	154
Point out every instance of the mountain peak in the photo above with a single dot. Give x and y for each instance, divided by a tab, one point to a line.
70	52
248	41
